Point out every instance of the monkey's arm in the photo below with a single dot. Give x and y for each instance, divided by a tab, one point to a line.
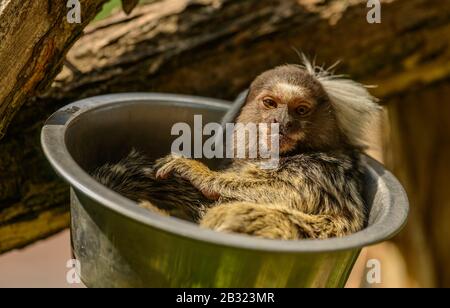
212	184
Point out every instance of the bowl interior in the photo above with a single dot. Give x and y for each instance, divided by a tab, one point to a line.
105	135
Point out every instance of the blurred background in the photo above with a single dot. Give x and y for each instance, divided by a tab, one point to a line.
215	48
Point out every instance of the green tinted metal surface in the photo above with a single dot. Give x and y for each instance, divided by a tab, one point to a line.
118	252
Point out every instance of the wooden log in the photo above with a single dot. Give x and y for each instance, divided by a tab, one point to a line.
215	48
221	47
35	37
418	151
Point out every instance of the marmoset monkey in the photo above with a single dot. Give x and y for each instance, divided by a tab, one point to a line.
316	190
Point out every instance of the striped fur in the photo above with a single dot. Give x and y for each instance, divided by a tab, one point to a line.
134	177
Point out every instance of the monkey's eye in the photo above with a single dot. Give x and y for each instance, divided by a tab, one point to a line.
303	110
270	103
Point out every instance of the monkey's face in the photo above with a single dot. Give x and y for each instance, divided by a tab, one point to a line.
295	100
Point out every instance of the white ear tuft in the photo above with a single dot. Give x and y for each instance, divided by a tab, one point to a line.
355	107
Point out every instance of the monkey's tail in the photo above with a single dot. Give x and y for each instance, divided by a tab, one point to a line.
131	176
134	177
276	221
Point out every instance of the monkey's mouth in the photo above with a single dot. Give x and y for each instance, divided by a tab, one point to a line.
285	141
284	137
289	140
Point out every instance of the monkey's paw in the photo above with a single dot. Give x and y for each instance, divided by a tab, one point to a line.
187	169
167	165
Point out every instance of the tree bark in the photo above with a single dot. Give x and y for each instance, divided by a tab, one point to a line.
35	37
222	44
215	48
418	151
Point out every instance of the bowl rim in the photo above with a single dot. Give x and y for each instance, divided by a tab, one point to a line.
53	134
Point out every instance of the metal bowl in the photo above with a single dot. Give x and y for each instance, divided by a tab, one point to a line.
120	245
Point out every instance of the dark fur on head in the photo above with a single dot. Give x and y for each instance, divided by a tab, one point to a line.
316	110
290	96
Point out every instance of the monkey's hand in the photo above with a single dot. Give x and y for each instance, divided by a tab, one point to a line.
166	166
190	170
